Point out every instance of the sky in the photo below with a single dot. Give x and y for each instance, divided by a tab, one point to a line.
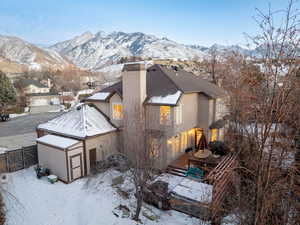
202	22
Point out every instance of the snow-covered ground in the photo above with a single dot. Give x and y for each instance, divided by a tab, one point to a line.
87	201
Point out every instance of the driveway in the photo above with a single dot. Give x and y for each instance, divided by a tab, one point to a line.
21	131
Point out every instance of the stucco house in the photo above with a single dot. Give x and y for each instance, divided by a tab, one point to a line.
38	94
179	107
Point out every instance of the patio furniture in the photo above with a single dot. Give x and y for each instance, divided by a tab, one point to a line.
202	154
195	173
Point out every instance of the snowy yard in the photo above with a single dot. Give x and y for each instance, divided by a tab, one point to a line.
87	201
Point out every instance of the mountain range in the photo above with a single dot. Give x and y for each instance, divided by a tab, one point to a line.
95	51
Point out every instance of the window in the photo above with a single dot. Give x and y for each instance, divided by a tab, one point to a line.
214	134
117	111
165	114
178	114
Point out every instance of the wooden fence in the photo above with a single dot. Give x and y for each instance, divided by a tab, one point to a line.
18	159
221	177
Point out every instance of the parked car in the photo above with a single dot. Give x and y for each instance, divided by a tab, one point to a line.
4	117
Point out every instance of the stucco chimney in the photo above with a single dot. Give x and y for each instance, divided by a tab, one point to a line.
134	86
134	95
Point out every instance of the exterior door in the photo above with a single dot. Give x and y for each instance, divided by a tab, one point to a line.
76	166
93	158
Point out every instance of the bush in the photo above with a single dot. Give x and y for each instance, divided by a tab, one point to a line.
218	147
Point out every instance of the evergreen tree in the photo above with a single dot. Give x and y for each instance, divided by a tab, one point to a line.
7	91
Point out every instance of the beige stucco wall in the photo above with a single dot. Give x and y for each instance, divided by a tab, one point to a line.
106	108
54	159
105	145
102	106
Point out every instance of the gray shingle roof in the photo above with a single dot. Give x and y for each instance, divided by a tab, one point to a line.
163	81
27	82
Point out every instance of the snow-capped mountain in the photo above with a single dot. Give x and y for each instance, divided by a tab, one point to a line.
96	51
15	52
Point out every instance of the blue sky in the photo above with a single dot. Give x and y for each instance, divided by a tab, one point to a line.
203	22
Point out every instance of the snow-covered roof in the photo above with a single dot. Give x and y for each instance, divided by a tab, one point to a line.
101	96
168	99
57	141
82	121
188	188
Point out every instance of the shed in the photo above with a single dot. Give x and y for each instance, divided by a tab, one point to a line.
62	155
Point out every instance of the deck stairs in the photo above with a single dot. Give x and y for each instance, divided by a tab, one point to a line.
178	171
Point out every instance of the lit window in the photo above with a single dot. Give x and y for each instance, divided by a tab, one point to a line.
178	114
117	111
165	114
214	134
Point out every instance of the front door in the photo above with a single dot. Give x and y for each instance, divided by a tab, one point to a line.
76	166
93	158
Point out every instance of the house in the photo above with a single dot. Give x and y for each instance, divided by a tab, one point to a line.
38	94
31	86
179	108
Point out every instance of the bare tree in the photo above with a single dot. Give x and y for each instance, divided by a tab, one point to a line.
264	116
141	149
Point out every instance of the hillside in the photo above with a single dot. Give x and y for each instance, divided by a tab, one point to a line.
17	55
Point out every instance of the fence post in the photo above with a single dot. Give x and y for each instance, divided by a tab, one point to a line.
23	158
7	162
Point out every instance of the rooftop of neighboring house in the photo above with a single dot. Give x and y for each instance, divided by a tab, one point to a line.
165	85
27	82
43	94
81	122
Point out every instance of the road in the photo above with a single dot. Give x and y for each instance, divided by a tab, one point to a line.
21	131
24	124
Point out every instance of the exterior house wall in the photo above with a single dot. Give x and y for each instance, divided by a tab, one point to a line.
105	145
102	106
190	108
53	158
31	89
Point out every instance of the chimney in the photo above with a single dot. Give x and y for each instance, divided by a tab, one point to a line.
134	95
134	86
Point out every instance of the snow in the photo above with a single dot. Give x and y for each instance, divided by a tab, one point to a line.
14	115
99	96
87	201
188	188
57	141
81	121
169	99
3	150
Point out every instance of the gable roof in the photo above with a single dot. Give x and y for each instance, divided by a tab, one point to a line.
81	122
27	82
166	85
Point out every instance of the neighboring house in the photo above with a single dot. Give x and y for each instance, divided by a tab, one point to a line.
42	99
38	94
31	86
179	108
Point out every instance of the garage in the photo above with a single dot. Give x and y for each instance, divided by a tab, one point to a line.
62	156
38	102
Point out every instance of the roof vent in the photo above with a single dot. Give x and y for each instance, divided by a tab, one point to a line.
78	108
